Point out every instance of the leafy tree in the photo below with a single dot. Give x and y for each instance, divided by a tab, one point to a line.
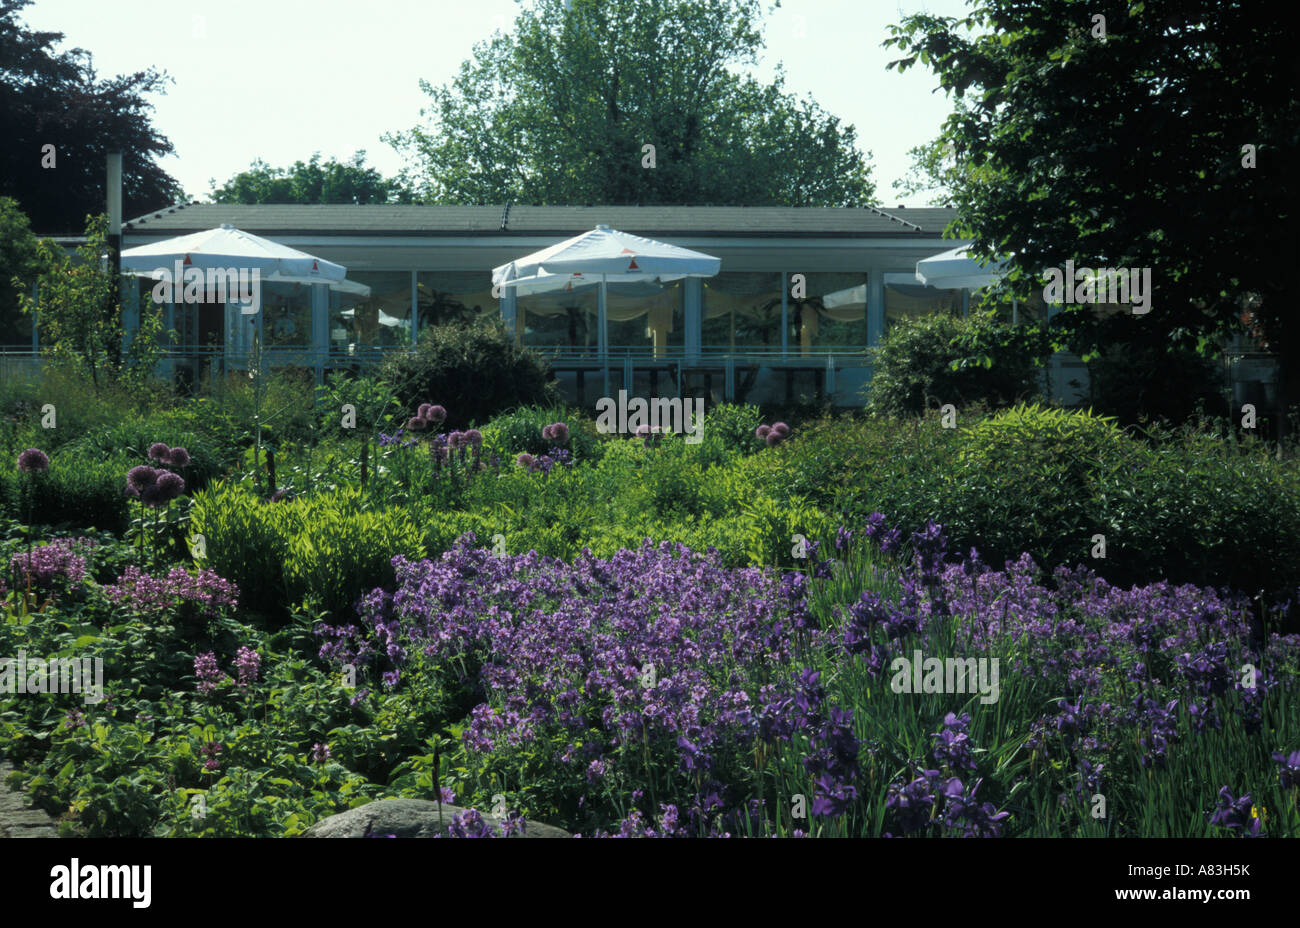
18	267
1127	151
311	182
931	175
49	98
80	312
560	112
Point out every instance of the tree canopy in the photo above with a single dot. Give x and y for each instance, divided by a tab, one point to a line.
1122	144
312	182
50	98
561	111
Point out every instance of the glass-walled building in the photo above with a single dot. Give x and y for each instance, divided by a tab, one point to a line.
802	295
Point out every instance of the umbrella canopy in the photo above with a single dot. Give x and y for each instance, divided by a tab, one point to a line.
956	270
228	247
619	256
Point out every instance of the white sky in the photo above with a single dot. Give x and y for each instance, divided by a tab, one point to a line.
280	79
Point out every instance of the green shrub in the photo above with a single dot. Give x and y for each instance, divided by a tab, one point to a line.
329	547
339	550
476	372
1135	382
513	433
80	490
1207	511
929	361
728	431
375	400
1028	479
246	542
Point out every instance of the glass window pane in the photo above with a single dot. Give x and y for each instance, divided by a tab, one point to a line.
454	297
563	319
832	314
912	300
742	310
645	316
286	315
383	318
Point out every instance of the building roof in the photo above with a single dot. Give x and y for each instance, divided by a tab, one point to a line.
758	221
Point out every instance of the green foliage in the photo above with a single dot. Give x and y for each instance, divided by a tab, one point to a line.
1133	382
78	491
246	542
557	109
1028	479
312	182
330	547
18	268
1042	174
56	96
339	550
518	431
80	310
476	372
375	401
929	361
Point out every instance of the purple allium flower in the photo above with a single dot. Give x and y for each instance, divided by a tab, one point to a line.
424	412
781	429
248	663
320	752
169	486
548	432
772	439
437	415
139	479
526	460
159	451
416	424
33	461
474	437
762	432
178	457
559	433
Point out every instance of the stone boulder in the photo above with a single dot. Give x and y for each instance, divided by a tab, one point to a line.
408	818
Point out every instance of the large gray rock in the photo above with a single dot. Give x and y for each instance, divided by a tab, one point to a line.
408	818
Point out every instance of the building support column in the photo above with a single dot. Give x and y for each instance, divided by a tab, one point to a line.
693	310
320	329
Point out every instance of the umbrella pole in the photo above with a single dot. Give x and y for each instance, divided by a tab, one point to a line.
603	322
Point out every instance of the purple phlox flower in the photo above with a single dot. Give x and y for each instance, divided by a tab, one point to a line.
248	663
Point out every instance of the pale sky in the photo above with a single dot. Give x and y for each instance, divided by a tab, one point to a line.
280	79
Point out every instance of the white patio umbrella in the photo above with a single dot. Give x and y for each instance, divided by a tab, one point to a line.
229	247
609	256
956	270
